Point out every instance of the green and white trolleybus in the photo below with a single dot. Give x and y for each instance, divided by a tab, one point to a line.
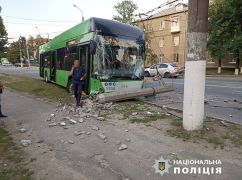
112	54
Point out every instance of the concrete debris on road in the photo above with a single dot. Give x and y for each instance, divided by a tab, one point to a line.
81	120
71	142
149	113
26	142
52	124
95	116
123	147
224	123
52	115
102	136
77	133
67	118
95	128
100	118
22	130
72	121
88	133
126	130
127	139
62	123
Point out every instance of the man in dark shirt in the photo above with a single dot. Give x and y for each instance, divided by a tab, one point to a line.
78	75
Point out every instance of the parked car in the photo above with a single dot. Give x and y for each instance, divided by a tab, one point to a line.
166	70
7	64
19	65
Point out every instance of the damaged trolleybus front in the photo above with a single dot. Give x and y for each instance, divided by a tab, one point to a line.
112	53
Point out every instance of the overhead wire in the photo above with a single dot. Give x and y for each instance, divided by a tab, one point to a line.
28	19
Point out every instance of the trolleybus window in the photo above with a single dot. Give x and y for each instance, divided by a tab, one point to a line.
70	56
60	58
118	58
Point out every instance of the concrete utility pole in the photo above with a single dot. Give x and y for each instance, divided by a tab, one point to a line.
27	50
20	52
195	65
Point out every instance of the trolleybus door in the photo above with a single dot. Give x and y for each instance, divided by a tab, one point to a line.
83	57
53	66
41	65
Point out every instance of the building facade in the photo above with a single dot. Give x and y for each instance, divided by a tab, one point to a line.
166	32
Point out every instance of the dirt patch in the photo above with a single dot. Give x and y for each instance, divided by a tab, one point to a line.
216	132
11	159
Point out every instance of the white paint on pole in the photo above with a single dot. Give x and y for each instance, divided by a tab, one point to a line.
240	70
236	71
194	82
194	87
219	70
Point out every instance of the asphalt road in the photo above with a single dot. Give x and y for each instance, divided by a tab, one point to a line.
26	71
223	97
223	94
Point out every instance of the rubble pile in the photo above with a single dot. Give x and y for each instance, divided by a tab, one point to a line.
66	115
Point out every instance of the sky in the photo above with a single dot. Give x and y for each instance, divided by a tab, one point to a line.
57	15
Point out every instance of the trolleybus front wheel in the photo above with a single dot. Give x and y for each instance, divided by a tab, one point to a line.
46	78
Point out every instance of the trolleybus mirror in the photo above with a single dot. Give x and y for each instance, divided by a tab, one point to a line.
93	46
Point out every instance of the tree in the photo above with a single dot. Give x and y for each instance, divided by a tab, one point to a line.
125	10
3	35
31	46
13	53
225	29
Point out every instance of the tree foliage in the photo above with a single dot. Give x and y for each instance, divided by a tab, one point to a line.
125	10
13	52
3	35
225	28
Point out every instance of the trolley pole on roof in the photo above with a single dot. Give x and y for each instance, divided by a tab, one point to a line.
194	82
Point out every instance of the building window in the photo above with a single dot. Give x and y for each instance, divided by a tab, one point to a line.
176	57
176	41
175	21
149	27
162	25
161	43
161	58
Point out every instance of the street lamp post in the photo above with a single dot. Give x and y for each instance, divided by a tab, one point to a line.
79	10
38	30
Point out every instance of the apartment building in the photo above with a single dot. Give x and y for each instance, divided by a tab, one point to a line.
167	34
166	31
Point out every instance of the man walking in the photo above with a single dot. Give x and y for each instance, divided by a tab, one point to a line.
1	91
78	75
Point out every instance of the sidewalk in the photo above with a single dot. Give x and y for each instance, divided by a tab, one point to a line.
62	153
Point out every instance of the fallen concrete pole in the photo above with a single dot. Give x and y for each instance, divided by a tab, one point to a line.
125	95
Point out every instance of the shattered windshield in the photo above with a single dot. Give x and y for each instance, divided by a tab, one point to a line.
117	58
